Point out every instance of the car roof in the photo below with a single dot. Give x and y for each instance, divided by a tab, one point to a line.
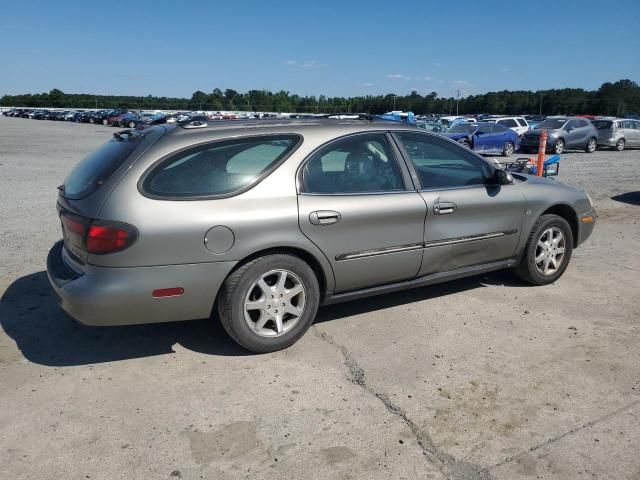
229	128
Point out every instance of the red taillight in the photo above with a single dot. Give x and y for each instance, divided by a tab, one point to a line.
167	292
73	226
107	238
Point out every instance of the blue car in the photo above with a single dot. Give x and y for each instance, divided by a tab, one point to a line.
488	138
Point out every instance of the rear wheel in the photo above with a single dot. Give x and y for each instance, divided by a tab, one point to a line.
105	122
269	303
591	145
507	150
465	143
131	124
620	145
558	147
548	251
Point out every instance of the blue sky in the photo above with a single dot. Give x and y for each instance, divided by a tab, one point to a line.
323	47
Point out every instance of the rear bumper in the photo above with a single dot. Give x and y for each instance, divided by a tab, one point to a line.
123	296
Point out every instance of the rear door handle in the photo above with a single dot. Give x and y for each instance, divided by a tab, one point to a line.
442	208
324	217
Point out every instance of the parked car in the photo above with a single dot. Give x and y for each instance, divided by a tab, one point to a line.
517	124
617	133
431	126
448	121
265	221
113	119
129	119
563	132
485	137
100	116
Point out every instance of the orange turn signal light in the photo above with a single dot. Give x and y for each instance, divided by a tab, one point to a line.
587	219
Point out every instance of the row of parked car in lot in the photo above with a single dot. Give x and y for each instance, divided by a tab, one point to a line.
486	134
505	135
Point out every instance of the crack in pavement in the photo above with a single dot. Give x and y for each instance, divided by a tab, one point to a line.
552	440
450	467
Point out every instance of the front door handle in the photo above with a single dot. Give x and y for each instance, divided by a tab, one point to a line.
442	208
324	217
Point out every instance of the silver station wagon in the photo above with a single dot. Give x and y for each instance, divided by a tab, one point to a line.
259	223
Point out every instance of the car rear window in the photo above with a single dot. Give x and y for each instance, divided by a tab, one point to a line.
602	124
508	122
220	168
88	175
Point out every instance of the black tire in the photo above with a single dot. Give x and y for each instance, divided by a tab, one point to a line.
527	269
507	149
465	143
104	122
558	147
591	145
236	287
131	124
92	120
620	144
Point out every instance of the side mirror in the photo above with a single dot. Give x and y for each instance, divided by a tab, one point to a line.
501	177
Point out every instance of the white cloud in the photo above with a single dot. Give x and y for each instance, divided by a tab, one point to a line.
428	78
399	76
310	64
461	83
367	84
291	62
436	64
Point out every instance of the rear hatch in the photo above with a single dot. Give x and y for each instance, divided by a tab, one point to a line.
88	186
606	129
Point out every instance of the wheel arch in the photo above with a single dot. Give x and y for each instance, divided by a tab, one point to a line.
569	214
325	279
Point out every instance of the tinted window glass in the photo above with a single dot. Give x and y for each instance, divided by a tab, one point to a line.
442	164
485	128
522	122
573	124
361	164
508	122
88	175
602	124
583	123
631	124
219	168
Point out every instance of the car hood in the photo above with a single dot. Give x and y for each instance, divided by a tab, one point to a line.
456	136
537	131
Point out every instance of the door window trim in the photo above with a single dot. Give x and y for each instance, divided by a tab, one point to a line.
414	173
197	147
408	185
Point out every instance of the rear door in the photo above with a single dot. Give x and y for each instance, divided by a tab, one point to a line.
468	222
484	138
358	205
574	135
632	132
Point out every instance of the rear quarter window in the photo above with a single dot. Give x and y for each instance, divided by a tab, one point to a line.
218	169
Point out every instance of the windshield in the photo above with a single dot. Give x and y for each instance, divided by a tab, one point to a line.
462	128
88	175
552	123
602	124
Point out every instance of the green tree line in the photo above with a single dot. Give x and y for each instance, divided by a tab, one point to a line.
619	98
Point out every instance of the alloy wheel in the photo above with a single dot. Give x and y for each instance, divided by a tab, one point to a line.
620	145
550	251
274	303
591	146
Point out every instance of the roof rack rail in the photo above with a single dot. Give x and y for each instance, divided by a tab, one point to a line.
349	116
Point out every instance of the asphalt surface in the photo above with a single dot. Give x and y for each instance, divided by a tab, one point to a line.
482	378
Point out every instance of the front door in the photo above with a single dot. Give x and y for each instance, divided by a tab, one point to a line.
468	221
358	206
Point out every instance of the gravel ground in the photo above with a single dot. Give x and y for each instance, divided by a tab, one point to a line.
475	379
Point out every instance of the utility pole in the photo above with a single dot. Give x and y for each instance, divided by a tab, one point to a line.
394	102
540	112
457	100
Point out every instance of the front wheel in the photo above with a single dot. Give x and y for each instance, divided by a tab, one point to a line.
620	145
558	147
548	251
507	150
465	143
131	124
269	303
591	145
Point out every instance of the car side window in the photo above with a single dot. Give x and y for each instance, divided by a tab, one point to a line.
522	122
632	125
440	163
572	124
358	164
486	128
583	123
508	122
219	168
